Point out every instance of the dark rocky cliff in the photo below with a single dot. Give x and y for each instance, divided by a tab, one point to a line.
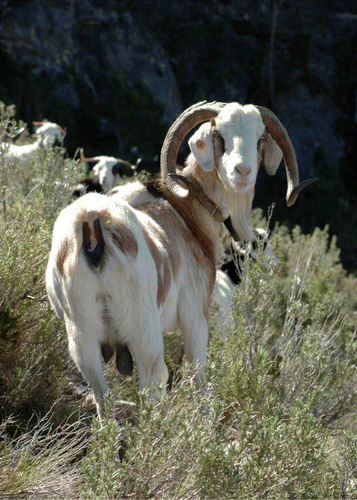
116	73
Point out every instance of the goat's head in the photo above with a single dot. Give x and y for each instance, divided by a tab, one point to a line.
235	142
52	133
107	169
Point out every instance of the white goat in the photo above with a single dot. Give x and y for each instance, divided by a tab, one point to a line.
121	276
107	170
47	134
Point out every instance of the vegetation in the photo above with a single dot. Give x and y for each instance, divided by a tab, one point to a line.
278	417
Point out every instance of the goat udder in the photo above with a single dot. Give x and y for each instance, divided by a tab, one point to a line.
124	360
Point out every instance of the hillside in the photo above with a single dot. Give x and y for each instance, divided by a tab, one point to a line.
116	74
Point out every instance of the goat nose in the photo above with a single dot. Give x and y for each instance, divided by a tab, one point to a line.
243	168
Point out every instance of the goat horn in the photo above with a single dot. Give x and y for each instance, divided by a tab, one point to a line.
125	163
84	159
191	117
62	130
280	134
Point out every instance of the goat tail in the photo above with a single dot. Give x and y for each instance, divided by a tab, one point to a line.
93	241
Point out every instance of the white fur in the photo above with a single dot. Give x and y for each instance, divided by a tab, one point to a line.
47	133
241	128
119	301
103	172
222	296
177	247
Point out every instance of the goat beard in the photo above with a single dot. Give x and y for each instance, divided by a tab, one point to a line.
240	206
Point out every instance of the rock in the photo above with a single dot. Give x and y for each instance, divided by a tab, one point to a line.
311	123
87	41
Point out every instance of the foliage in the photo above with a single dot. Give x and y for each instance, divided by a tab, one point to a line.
30	366
277	416
44	460
101	465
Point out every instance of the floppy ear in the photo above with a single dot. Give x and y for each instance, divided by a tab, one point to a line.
272	155
201	145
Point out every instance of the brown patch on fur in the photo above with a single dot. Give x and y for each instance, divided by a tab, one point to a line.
66	262
190	212
62	255
163	269
188	209
199	237
124	239
167	220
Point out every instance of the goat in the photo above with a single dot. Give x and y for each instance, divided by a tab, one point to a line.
120	276
87	186
107	169
230	272
47	133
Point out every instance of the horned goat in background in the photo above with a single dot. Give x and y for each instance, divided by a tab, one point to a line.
107	171
120	276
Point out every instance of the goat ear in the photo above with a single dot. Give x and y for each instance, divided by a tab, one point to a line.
201	145
272	155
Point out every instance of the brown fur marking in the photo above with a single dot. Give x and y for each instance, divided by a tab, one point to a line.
125	240
67	258
62	255
162	269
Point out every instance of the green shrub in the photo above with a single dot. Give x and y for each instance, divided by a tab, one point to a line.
43	461
278	416
31	337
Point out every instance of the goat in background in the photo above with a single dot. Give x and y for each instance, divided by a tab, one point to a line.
47	134
107	172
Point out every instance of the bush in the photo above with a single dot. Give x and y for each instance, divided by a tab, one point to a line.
31	337
277	419
43	461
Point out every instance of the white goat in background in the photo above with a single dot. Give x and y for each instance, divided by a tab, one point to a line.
121	276
107	171
47	134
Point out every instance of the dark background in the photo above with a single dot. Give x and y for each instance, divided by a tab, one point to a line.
117	73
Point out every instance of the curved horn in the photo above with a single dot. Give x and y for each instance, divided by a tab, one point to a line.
124	163
191	117
86	160
280	134
62	130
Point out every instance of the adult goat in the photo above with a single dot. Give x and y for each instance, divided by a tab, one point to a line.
48	134
120	276
107	170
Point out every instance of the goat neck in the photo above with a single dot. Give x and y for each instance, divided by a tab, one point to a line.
204	228
209	191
